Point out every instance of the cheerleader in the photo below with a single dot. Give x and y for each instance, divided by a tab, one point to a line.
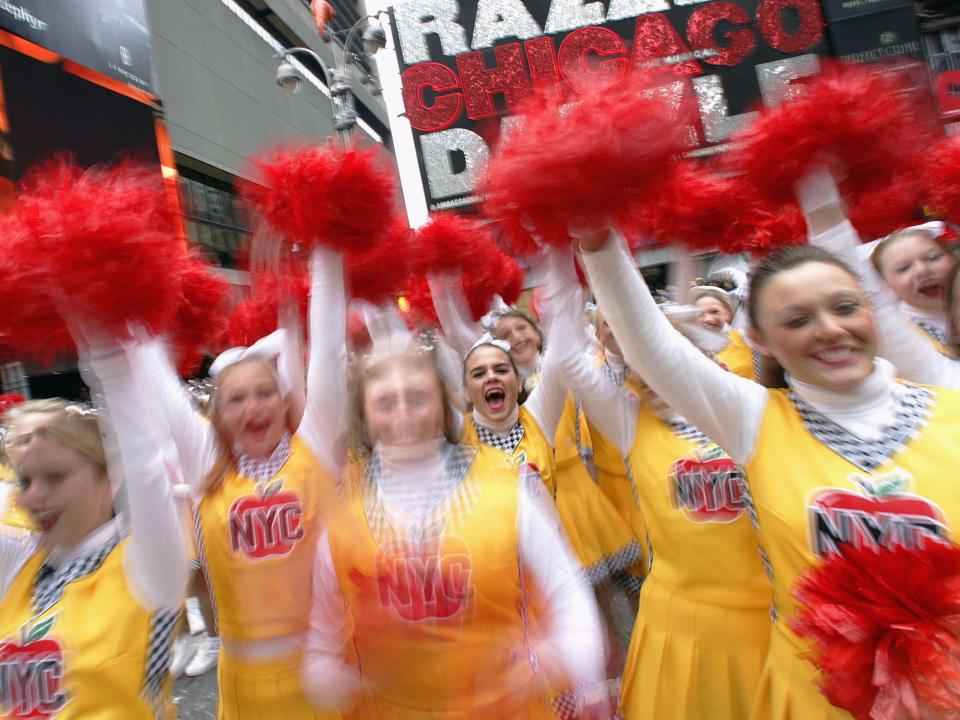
844	429
89	602
424	587
703	626
264	488
921	355
16	431
717	308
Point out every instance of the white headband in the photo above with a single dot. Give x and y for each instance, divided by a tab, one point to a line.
269	348
488	339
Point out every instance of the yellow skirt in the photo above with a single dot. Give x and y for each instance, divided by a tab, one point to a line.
788	687
263	690
692	660
375	708
600	537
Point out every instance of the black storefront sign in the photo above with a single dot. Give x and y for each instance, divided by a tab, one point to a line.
878	36
109	36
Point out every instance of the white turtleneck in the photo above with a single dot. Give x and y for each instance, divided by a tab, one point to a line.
727	408
900	341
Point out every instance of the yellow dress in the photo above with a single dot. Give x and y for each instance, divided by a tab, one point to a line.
90	651
13	515
258	542
439	620
737	357
816	487
703	627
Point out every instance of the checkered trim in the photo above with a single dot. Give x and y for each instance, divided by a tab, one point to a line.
202	560
757	365
602	570
685	431
627	582
508	444
163	626
586	453
456	498
49	584
617	377
264	470
522	604
910	415
568	705
932	330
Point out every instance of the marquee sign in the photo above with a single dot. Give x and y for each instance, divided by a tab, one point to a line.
466	65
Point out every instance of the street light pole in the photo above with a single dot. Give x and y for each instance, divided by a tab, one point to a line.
338	80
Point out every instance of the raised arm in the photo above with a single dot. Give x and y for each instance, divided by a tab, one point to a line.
569	615
829	228
611	410
155	562
726	407
450	305
324	417
195	439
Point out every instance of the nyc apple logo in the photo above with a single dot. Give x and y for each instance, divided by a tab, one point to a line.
708	487
879	513
428	581
266	524
31	675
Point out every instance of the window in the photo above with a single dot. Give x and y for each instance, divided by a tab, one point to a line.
215	221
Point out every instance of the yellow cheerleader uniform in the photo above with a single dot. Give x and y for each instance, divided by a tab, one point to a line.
258	541
76	644
703	628
13	515
934	336
738	357
817	487
439	612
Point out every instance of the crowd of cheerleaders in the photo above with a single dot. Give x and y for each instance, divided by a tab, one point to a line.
477	546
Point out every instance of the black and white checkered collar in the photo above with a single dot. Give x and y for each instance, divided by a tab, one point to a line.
684	430
508	444
932	330
457	495
50	583
910	415
263	470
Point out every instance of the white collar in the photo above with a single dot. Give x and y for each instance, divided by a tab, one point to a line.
937	318
875	391
61	555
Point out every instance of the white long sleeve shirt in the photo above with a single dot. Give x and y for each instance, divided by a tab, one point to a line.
727	408
155	563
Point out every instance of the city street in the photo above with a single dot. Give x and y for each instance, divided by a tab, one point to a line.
197	697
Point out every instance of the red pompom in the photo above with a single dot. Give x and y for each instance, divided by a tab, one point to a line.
422	312
97	245
886	630
704	210
942	169
321	195
449	242
858	121
878	211
201	316
257	316
378	273
560	169
10	400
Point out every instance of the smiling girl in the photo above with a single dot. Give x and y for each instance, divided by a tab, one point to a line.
837	450
89	602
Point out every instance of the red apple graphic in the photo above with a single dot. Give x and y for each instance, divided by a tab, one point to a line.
709	488
266	525
430	581
31	675
880	515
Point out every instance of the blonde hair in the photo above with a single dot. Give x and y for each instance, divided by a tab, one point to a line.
68	424
885	243
226	462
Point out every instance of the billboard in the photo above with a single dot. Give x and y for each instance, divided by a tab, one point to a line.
109	36
466	65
